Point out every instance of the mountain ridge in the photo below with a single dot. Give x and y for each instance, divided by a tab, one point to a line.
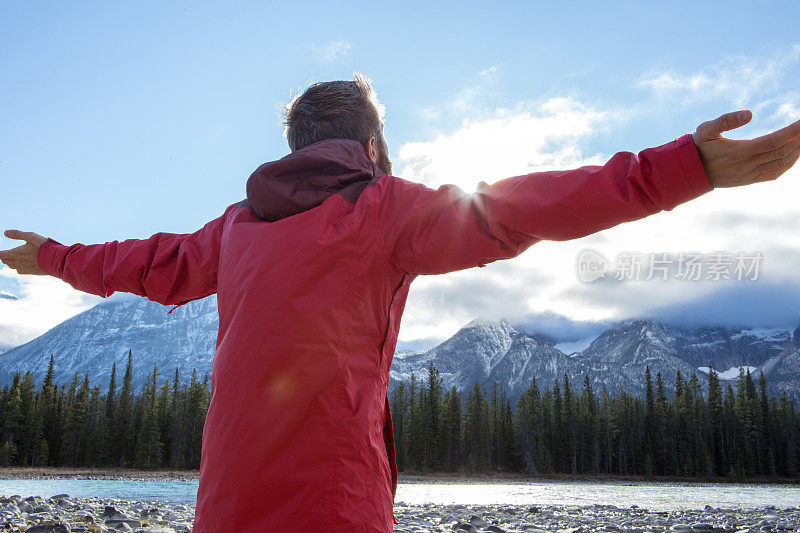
482	350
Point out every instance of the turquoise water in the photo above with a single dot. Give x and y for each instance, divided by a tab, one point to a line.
647	495
655	496
171	491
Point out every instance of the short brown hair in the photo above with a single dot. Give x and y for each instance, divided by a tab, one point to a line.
333	110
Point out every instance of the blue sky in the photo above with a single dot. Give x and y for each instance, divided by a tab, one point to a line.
120	121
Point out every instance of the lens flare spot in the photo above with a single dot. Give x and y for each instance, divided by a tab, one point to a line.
283	386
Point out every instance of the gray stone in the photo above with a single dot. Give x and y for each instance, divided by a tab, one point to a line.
111	512
130	522
50	527
84	516
477	521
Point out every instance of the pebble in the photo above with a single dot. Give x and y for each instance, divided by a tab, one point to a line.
590	518
63	514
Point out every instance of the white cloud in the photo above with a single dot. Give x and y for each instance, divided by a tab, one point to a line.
491	144
763	218
737	80
505	143
511	142
334	50
42	302
489	72
784	108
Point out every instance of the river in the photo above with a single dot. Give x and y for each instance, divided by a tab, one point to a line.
648	495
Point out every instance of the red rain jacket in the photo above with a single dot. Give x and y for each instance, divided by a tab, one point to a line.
311	274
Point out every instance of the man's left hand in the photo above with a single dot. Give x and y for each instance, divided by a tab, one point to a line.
731	163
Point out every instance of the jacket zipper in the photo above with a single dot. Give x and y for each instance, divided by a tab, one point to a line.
389	319
184	303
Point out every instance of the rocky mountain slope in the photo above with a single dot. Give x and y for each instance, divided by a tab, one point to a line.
482	351
93	340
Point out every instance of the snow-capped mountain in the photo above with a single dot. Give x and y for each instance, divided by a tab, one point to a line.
91	341
482	351
782	371
626	350
487	351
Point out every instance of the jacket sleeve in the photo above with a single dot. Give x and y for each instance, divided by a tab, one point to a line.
430	231
167	268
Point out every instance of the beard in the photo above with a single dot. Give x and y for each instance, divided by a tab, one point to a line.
384	162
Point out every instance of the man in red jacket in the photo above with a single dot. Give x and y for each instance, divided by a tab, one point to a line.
312	271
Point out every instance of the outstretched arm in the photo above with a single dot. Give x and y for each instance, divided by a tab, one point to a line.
167	268
435	231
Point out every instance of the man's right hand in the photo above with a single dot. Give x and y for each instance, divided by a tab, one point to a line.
731	163
23	257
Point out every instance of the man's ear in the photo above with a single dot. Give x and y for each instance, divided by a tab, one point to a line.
372	149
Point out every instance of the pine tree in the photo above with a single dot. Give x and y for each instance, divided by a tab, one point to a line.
177	454
665	459
30	430
477	430
416	426
123	435
570	425
164	422
451	430
196	408
526	427
589	423
74	422
149	446
112	390
765	436
431	406
650	423
495	433
399	407
97	445
715	411
13	421
559	440
49	416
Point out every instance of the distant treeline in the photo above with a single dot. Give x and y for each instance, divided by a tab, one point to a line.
735	432
80	426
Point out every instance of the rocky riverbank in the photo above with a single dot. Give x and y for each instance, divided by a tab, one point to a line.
47	472
62	513
586	518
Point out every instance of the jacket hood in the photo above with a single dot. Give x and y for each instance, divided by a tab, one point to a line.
303	179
